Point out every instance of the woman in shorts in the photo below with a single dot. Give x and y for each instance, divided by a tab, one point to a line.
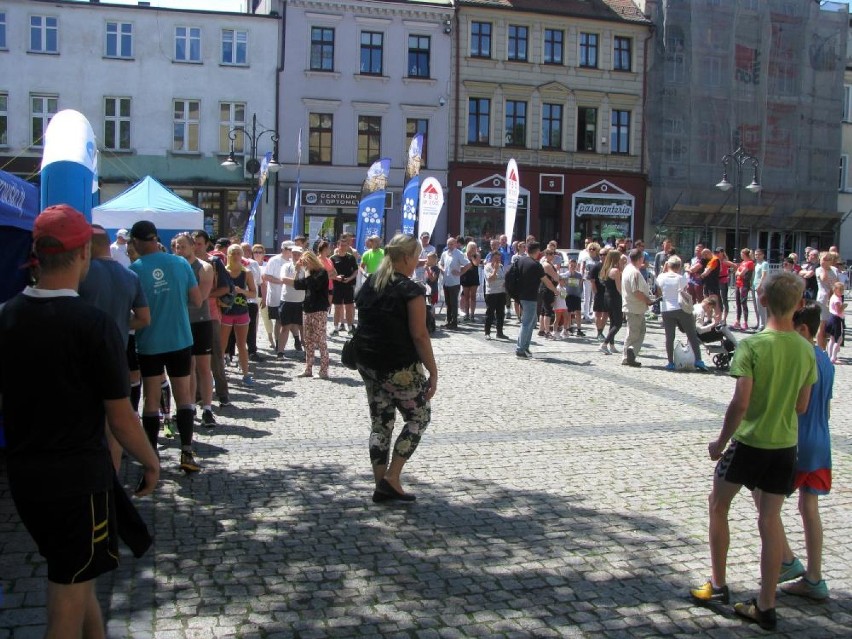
236	316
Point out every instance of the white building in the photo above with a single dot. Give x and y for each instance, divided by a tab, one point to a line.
362	77
161	88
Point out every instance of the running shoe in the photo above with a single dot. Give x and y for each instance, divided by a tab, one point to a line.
671	367
804	587
580	333
791	571
298	344
604	349
706	593
225	403
766	619
168	427
701	366
335	331
351	329
207	418
612	348
188	463
248	380
523	354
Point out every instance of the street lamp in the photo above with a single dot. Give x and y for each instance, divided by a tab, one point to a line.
252	163
739	159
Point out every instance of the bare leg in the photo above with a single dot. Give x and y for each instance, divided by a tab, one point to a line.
393	472
350	315
240	333
73	611
809	509
720	500
771	546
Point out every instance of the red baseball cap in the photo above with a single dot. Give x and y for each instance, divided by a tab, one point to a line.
62	223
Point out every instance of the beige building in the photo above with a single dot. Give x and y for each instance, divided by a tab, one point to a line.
844	197
559	88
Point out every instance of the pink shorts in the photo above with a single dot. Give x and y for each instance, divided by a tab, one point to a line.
235	320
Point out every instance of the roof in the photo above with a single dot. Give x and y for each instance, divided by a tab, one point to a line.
611	10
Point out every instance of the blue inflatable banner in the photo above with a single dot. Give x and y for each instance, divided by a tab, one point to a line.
371	210
410	200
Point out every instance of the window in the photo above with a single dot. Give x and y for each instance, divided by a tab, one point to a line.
232	115
480	39
518	39
673	150
187	44
516	123
42	109
320	137
369	139
413	126
621	59
847	103
589	50
707	143
418	56
119	40
186	125
711	71
117	124
587	129
551	126
478	121
4	119
554	46
620	132
844	164
675	61
234	47
2	29
44	34
322	49
371	52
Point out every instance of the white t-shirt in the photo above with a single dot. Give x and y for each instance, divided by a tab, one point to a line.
254	267
273	268
670	285
119	254
289	293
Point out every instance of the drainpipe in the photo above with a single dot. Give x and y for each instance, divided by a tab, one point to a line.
458	84
278	72
644	126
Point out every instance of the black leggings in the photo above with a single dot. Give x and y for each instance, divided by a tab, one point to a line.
723	297
742	303
616	319
495	307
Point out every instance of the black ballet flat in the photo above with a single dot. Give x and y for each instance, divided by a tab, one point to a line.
380	497
388	492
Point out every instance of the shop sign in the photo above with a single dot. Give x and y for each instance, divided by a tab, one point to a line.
321	197
492	200
608	209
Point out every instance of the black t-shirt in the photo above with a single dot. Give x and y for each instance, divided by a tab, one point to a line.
385	340
61	359
315	285
595	276
531	273
345	265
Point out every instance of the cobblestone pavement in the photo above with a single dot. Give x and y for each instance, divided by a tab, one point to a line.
559	497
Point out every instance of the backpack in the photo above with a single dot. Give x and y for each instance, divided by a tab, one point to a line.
512	282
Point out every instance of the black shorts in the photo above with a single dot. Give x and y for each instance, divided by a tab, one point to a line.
202	337
76	535
573	304
132	360
599	304
175	363
273	312
290	313
343	294
770	470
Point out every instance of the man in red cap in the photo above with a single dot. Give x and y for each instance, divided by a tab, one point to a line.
60	473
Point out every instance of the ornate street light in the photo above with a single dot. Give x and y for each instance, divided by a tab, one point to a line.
253	135
738	159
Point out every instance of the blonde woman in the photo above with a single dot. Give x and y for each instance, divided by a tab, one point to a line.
470	282
610	280
236	316
394	348
314	311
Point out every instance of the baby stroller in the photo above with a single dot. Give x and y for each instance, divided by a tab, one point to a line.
719	342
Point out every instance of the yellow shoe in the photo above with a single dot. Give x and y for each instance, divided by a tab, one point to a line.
708	594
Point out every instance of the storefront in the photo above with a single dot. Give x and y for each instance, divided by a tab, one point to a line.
483	211
602	211
327	212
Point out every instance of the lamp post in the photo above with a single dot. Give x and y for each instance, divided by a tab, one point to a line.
252	163
739	159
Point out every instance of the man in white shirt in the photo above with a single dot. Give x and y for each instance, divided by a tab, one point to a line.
426	249
118	249
636	298
453	265
290	313
272	276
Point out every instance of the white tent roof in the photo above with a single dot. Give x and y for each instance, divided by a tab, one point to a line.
148	200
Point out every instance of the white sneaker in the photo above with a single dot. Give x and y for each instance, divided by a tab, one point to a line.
612	348
605	349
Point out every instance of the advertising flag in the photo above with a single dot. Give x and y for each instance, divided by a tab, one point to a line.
513	188
411	193
431	203
297	222
371	209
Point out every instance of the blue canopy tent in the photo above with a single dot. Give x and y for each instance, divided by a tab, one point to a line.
18	209
149	200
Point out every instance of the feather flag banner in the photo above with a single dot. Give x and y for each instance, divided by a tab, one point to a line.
431	203
513	188
411	193
371	209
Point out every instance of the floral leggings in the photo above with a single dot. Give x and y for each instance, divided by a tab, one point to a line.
313	333
404	390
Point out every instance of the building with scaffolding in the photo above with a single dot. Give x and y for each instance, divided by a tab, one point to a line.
763	75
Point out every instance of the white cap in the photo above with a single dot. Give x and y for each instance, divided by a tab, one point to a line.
124	234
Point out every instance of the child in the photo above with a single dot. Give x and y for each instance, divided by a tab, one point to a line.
432	275
813	468
775	370
836	325
574	298
560	310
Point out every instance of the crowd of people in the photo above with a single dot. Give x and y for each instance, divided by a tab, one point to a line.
159	325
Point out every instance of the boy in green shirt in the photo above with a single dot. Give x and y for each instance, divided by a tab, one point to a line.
373	256
775	370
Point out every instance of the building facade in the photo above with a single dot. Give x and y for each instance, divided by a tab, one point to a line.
362	78
161	88
559	88
844	198
763	75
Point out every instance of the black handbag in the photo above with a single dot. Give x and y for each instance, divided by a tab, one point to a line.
349	352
